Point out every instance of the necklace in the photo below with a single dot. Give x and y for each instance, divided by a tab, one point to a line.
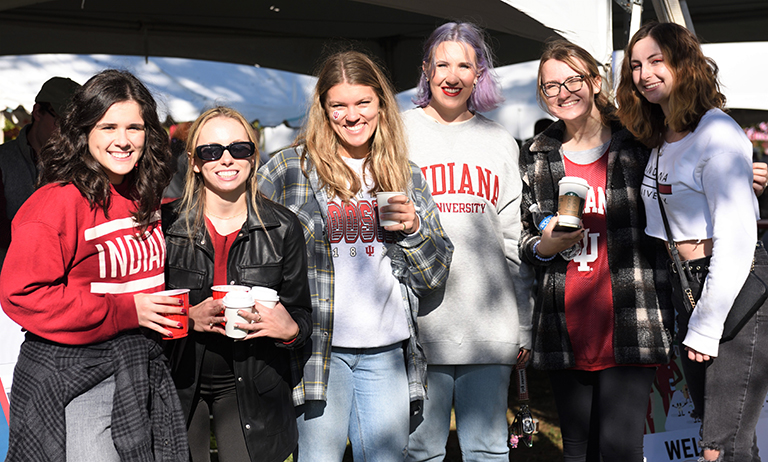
226	218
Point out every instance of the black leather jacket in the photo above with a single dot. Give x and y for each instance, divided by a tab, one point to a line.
264	373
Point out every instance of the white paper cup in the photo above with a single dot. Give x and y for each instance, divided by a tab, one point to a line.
382	198
573	194
233	302
264	295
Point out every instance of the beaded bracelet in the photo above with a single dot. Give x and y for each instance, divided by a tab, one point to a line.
539	257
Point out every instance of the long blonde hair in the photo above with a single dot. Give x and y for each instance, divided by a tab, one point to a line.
387	162
193	197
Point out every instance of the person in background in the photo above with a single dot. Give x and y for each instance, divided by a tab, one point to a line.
223	231
669	98
179	134
478	326
19	157
599	328
87	253
364	363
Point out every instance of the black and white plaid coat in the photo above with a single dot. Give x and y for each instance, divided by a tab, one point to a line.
644	317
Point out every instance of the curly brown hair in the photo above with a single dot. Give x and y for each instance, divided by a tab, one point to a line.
695	89
67	159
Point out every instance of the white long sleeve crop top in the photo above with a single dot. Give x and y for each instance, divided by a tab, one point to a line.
705	181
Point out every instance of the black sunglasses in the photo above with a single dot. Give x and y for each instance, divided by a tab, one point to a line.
239	150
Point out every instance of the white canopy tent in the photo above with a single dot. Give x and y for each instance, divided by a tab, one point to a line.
183	87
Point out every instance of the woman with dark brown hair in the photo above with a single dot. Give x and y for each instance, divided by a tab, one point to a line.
86	254
700	176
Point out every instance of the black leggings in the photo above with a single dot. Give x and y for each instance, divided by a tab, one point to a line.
217	397
603	412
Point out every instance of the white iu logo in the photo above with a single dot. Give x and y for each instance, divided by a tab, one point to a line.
588	252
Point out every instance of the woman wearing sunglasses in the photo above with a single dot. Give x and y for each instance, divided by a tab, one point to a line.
363	364
223	231
598	326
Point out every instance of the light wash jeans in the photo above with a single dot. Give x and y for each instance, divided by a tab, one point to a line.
478	394
89	425
367	402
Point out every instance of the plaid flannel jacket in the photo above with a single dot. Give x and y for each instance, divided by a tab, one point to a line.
147	422
420	262
643	313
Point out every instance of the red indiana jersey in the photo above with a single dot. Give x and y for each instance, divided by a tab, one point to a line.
588	294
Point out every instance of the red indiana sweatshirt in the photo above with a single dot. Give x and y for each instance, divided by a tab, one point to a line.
70	273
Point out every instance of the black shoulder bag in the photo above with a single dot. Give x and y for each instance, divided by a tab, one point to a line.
750	298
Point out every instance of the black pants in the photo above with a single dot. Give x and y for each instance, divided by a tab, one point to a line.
603	412
217	397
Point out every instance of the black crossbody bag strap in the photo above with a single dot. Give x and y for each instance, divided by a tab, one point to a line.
671	246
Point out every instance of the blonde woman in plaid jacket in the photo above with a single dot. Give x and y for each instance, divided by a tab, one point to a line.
363	364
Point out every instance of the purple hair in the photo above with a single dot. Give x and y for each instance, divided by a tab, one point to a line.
487	93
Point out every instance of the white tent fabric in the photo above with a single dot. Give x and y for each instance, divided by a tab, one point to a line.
590	25
183	87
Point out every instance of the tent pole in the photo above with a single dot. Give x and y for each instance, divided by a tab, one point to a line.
672	11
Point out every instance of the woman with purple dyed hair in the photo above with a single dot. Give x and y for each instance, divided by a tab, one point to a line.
477	327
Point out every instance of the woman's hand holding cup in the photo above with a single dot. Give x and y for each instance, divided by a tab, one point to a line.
554	242
397	212
274	323
206	316
165	312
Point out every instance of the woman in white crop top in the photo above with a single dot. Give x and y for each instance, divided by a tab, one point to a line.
669	98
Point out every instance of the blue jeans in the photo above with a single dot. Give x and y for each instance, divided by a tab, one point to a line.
478	394
89	425
367	402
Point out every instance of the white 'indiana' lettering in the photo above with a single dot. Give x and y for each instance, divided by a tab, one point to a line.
128	255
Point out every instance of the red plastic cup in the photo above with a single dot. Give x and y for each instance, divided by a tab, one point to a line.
220	291
182	319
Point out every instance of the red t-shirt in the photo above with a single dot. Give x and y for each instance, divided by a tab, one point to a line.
221	246
588	294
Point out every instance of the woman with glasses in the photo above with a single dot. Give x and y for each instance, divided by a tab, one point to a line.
223	231
363	364
670	99
599	328
478	327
